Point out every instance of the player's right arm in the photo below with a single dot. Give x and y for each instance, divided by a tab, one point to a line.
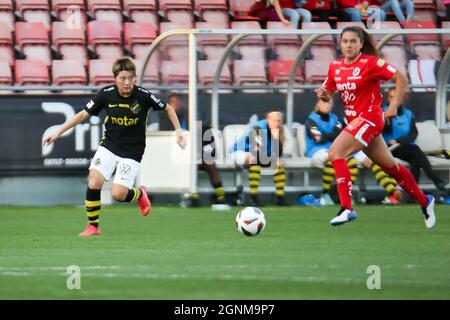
325	92
72	122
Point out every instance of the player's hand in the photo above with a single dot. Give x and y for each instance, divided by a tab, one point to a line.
181	140
323	94
390	113
51	138
286	22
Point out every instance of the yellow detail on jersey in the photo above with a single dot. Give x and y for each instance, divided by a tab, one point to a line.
124	121
112	105
124	105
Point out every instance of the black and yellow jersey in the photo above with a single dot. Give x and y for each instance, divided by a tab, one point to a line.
125	122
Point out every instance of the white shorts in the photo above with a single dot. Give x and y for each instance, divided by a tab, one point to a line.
106	162
319	158
360	156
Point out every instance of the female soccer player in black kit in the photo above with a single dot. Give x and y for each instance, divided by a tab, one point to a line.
123	142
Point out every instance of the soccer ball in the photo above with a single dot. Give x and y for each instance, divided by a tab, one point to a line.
250	221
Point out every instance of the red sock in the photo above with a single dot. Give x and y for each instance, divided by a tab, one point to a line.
343	183
406	180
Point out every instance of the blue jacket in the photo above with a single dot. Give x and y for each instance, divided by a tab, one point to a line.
325	127
244	143
402	127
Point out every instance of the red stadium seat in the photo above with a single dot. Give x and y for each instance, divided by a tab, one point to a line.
241	9
175	72
213	10
7	14
201	5
175	4
213	52
323	54
326	40
67	10
315	73
145	16
255	39
138	33
426	14
177	39
130	5
68	72
279	72
414	39
214	39
180	16
255	53
249	72
31	72
106	10
217	16
286	52
70	43
273	40
151	76
396	55
207	70
446	37
5	74
6	45
32	39
387	25
35	11
105	39
100	73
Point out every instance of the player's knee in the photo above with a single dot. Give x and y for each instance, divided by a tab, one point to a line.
118	195
94	182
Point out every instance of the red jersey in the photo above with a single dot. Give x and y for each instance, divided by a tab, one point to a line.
358	85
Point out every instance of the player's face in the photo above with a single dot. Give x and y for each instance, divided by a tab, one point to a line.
125	82
324	107
274	121
351	45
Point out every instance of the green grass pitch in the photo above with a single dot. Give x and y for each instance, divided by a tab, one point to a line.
180	253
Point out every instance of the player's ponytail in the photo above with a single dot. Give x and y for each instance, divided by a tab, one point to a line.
368	46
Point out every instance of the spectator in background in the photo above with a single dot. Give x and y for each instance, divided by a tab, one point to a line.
323	9
208	147
400	136
277	10
358	9
397	6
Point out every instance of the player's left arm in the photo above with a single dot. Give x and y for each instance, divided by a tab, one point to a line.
172	115
400	87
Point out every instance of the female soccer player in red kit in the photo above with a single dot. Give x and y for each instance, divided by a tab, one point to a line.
356	77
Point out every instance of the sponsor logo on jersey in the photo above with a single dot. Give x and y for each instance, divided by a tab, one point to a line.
112	105
124	105
337	79
381	62
124	121
135	107
97	162
90	104
108	89
337	71
346	86
391	68
356	71
363	60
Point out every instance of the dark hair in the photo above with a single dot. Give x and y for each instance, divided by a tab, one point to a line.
123	64
368	46
173	95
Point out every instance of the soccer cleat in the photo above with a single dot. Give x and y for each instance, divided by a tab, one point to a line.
394	199
428	212
343	216
90	231
144	202
220	207
325	200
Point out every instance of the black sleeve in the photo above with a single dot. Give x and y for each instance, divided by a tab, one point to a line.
411	136
155	103
312	130
96	104
336	130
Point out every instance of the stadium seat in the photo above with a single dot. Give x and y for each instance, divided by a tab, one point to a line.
446	37
252	40
207	70
106	10
323	54
286	52
421	72
33	42
273	40
175	4
74	52
68	72
213	52
279	72
176	39
31	72
180	16
100	73
215	11
175	72
5	74
428	138
35	11
414	39
68	10
151	75
6	45
256	53
396	55
315	73
7	14
62	34
142	11
214	39
241	8
326	40
432	52
138	34
249	71
105	39
387	25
